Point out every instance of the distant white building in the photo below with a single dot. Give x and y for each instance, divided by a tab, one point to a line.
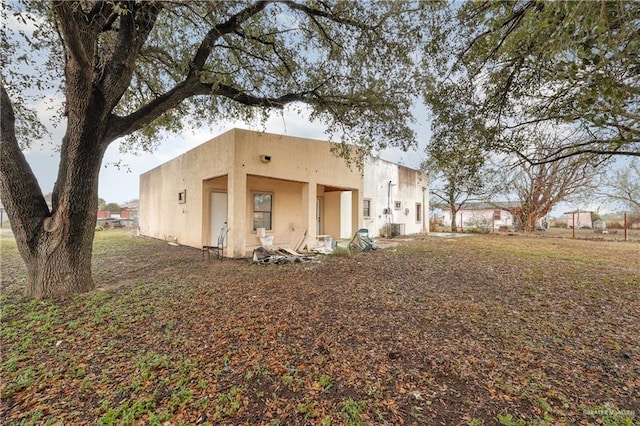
579	219
482	215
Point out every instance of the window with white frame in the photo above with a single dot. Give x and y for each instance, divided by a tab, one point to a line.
366	208
262	210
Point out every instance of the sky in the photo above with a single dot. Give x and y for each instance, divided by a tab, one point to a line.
120	184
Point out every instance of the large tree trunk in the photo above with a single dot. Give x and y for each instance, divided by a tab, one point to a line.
59	261
59	267
531	223
529	215
55	244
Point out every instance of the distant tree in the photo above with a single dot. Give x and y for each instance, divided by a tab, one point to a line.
112	207
622	187
102	204
542	64
458	176
455	191
130	69
456	152
540	187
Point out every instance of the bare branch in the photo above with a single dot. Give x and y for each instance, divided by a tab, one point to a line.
204	50
135	27
125	125
313	13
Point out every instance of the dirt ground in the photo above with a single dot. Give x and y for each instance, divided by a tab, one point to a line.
487	329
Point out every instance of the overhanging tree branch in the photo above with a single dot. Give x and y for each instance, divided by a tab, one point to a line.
125	125
126	68
570	63
135	27
313	13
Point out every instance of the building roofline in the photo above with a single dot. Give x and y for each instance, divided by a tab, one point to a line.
258	132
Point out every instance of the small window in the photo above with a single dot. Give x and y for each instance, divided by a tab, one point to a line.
497	215
182	197
418	212
262	210
398	205
366	208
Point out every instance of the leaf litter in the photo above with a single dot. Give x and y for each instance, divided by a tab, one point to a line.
476	331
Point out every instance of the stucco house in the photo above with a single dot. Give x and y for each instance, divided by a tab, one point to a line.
286	185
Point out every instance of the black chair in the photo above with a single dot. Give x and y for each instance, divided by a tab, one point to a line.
218	249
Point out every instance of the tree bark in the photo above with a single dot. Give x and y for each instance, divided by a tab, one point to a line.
454	211
102	47
55	243
57	246
454	218
58	268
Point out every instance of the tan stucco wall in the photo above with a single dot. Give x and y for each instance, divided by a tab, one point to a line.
304	160
287	209
232	162
161	216
332	214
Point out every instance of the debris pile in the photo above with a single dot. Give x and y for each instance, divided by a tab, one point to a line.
265	256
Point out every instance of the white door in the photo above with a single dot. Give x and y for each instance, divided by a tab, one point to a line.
218	212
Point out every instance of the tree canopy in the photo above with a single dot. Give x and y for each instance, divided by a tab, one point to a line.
567	65
171	64
457	153
621	187
540	187
130	69
112	207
